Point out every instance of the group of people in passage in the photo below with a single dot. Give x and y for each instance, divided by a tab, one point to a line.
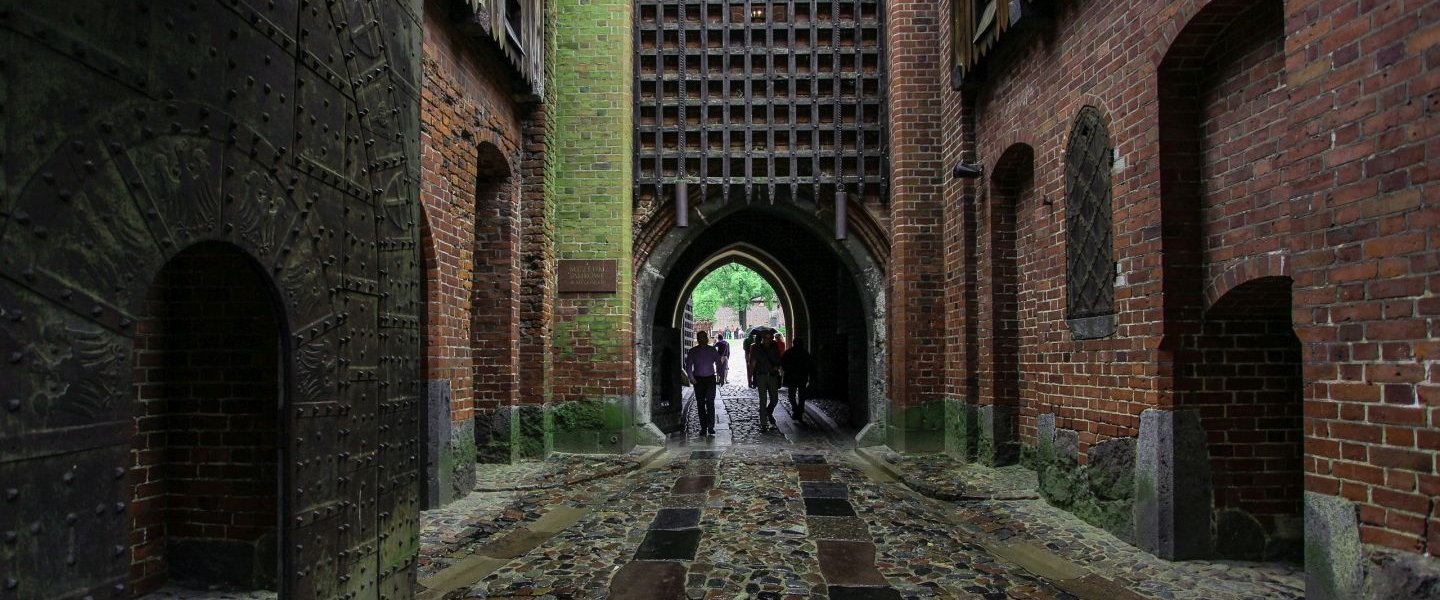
769	365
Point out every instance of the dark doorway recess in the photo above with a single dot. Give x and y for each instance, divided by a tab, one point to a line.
205	464
1242	373
819	290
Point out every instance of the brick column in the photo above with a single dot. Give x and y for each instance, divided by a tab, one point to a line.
916	275
594	368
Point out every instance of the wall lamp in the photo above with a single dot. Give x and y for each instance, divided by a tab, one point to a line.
967	170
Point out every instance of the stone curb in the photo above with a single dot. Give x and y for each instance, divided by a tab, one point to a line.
644	459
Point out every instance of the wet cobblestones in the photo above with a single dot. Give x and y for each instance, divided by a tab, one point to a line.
761	520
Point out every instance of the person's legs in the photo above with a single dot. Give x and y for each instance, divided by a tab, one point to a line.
769	385
797	406
705	401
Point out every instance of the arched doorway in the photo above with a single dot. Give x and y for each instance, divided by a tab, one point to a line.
1242	373
836	285
1010	190
206	455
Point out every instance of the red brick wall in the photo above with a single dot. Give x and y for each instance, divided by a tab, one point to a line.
917	294
205	449
1364	85
1307	159
471	149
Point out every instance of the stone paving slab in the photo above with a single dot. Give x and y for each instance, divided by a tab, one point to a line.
649	580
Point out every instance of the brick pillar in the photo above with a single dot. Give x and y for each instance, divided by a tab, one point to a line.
916	278
594	366
537	289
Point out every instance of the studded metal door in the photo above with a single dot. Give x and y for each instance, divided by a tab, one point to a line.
131	130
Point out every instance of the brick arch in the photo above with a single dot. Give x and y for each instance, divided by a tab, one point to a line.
774	272
1192	19
1184	73
863	224
208	389
1012	188
1268	268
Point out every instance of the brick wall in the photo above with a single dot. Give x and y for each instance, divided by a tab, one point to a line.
1284	143
205	462
1364	87
471	149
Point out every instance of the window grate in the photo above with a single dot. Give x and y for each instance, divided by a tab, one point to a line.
1090	271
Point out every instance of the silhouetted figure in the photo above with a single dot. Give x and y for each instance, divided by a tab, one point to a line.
701	364
799	370
723	347
765	367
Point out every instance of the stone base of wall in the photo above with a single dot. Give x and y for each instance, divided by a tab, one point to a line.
497	433
1102	491
449	449
534	431
248	565
1338	566
919	428
593	426
983	434
962	430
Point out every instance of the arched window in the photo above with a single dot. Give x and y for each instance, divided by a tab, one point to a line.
1089	261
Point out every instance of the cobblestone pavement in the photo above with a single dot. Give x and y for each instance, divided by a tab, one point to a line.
762	521
792	511
507	497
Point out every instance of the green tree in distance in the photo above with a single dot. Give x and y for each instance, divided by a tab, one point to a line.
731	285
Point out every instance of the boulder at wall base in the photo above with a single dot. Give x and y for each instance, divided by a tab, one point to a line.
1110	469
1391	575
1113	516
1060	483
1239	536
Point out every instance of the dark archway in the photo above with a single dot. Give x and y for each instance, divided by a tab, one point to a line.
845	330
207	450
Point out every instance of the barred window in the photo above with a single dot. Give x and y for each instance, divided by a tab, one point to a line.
1090	265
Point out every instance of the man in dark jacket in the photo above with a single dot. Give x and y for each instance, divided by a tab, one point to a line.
799	373
764	364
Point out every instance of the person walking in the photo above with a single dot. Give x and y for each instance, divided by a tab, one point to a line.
723	347
799	371
701	363
780	343
764	363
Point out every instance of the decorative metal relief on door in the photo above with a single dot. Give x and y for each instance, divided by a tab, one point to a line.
134	130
